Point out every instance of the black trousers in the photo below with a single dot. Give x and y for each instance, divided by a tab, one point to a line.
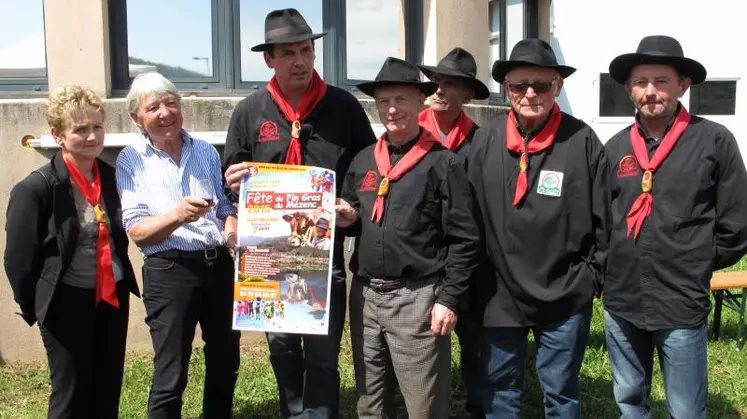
86	350
179	293
468	329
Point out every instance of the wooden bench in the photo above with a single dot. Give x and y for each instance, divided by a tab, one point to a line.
730	290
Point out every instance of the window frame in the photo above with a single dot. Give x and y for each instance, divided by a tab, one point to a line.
227	48
531	30
24	86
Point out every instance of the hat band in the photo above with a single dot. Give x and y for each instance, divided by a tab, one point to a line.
535	60
452	66
286	31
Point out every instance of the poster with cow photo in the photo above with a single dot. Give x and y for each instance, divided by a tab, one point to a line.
284	257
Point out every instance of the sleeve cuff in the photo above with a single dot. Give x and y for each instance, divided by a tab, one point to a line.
447	300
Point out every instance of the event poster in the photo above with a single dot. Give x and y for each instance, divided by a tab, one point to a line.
284	258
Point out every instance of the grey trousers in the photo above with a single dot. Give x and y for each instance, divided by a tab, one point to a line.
391	339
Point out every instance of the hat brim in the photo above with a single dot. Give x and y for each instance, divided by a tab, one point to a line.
287	40
481	90
501	68
622	65
426	87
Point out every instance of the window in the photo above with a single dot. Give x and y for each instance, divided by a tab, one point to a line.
714	97
189	51
204	45
23	62
514	23
497	52
509	21
373	31
613	98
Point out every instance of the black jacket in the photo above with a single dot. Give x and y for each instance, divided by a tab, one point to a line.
428	229
42	231
546	257
698	224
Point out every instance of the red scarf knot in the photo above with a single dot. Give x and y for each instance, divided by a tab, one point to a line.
643	205
312	97
389	174
514	142
458	134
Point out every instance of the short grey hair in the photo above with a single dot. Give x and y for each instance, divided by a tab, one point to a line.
150	84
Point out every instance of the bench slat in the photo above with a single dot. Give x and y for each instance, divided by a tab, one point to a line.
727	280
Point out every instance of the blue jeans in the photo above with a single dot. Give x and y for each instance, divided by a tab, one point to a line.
684	366
305	366
560	351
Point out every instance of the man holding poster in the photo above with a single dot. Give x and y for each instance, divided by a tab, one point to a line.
408	201
299	119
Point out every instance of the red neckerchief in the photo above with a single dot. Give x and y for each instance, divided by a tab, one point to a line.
642	206
389	174
514	142
314	94
106	287
455	138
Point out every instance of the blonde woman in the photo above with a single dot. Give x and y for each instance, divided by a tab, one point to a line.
66	259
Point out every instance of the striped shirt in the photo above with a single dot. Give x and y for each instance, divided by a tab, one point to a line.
150	183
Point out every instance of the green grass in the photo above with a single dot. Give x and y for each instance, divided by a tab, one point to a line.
24	388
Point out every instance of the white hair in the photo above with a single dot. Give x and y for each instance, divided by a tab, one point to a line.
150	84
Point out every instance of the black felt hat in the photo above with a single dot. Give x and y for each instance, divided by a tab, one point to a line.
396	71
657	49
530	52
461	64
285	26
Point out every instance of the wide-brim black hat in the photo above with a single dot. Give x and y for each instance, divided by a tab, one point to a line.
461	64
394	72
530	52
285	26
657	49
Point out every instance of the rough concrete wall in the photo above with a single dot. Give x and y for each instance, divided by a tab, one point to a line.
20	343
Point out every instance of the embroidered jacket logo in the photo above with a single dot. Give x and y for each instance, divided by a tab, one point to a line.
369	181
268	131
628	166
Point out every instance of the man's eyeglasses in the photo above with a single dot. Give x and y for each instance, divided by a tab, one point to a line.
539	87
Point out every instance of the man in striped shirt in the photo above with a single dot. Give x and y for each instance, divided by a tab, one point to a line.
174	208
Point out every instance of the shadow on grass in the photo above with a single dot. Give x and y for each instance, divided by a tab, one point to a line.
597	400
348	399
